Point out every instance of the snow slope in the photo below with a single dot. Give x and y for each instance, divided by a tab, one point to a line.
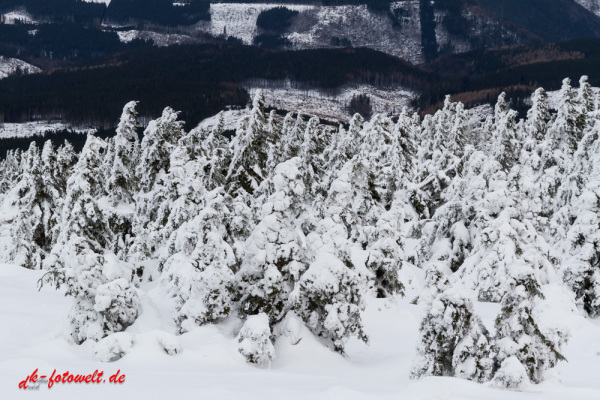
332	105
8	66
159	39
28	129
18	15
592	5
107	2
208	366
239	20
317	26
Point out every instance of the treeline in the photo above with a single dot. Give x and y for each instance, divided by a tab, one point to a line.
275	19
59	10
478	77
199	80
158	11
59	137
60	42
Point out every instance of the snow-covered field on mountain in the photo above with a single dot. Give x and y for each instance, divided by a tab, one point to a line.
27	129
334	105
208	365
159	39
18	15
592	5
239	20
317	26
9	66
107	2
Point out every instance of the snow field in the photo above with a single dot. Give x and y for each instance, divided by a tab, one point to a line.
209	365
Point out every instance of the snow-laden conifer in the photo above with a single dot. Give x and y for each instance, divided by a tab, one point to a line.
82	260
518	333
454	341
254	340
274	258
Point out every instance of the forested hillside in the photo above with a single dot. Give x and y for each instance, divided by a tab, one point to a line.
295	219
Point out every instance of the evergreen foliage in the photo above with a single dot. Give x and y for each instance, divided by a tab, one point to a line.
296	219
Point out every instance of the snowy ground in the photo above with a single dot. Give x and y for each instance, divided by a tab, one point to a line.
209	367
231	118
239	20
107	2
10	130
333	106
18	15
592	5
317	26
8	66
160	39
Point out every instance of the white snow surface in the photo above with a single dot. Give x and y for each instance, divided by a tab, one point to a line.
28	129
592	5
8	66
317	26
231	118
159	39
205	363
332	105
107	2
239	20
18	15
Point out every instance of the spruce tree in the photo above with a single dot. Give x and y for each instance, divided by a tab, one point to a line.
454	341
274	259
104	300
519	335
32	226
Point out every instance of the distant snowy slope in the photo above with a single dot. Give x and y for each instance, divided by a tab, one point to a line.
107	2
362	28
37	128
9	66
159	39
592	5
17	15
334	106
320	27
239	20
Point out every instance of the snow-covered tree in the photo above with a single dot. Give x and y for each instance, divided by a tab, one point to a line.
157	190
250	149
581	265
31	229
328	298
160	138
274	258
11	170
519	335
454	341
104	300
199	272
122	183
254	340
